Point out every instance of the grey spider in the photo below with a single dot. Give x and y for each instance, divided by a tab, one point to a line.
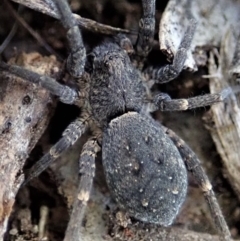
145	163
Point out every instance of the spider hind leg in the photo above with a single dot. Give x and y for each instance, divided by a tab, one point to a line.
193	165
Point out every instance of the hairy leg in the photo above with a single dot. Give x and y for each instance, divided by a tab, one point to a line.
87	173
194	166
164	102
171	71
65	93
77	57
146	28
145	33
72	133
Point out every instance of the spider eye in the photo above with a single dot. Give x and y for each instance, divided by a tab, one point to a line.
91	58
106	64
141	23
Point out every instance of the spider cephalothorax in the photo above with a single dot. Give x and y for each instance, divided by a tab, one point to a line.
116	86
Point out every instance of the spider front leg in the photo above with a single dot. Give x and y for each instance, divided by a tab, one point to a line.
171	71
65	93
87	173
77	58
163	101
72	133
193	165
145	34
146	28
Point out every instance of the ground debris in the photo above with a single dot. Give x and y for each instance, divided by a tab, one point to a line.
213	19
223	120
24	114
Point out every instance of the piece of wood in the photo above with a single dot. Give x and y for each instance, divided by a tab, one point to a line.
47	7
25	110
223	120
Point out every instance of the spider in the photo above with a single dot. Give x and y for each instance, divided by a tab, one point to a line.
145	163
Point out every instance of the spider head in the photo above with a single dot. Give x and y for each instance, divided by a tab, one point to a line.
109	59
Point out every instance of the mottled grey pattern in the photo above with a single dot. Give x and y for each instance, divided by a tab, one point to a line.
144	169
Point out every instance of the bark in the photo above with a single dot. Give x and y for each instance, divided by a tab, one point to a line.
25	110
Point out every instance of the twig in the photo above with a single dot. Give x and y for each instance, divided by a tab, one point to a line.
40	40
48	7
11	34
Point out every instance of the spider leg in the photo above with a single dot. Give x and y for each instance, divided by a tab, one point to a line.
77	58
193	165
65	93
144	41
171	71
124	42
146	28
87	173
163	101
71	134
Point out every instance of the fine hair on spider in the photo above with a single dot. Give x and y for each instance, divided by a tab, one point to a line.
145	163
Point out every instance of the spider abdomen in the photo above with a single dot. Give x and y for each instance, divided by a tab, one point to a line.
144	170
